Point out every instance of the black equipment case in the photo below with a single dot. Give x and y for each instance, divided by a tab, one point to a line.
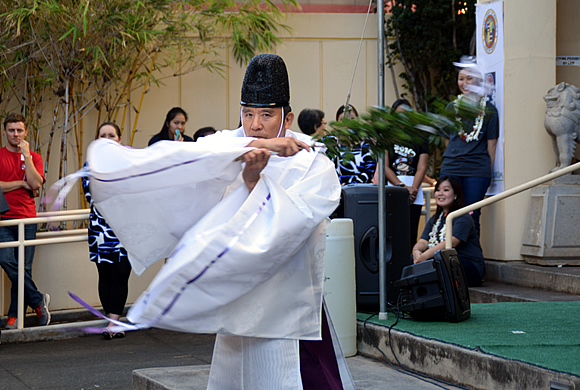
436	289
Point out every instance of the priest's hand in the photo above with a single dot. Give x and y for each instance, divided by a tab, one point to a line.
285	147
256	161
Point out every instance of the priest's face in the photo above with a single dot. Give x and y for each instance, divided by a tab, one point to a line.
265	122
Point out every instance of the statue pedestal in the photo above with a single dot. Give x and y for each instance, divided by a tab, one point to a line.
552	232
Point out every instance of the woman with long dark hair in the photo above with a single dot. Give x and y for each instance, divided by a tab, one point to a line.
173	128
107	252
465	240
469	155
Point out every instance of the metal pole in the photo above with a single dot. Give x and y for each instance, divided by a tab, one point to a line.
64	132
20	312
381	166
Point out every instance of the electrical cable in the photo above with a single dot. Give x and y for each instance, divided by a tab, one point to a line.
402	369
346	105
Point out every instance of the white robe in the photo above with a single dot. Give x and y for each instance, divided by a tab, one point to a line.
247	264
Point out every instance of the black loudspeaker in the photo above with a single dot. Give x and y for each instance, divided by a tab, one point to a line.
436	290
3	204
360	203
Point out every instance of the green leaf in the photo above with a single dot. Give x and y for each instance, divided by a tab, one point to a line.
85	20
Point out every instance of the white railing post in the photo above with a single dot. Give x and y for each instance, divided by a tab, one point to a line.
56	237
498	197
20	315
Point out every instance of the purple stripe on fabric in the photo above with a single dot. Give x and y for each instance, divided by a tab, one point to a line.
119	326
205	269
87	306
175	298
88	329
152	172
220	255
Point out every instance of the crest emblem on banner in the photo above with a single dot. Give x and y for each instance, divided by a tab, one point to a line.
489	31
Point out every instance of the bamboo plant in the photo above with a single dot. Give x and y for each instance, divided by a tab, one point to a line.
63	59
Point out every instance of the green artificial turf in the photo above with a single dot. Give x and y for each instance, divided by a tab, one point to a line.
546	334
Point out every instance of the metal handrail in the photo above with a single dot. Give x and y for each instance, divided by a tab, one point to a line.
56	233
61	212
498	197
75	235
427	195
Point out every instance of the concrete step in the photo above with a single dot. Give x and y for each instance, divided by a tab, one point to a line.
64	324
517	281
556	279
61	331
59	317
493	292
472	368
367	373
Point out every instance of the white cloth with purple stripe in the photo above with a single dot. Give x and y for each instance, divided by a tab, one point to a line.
247	264
151	197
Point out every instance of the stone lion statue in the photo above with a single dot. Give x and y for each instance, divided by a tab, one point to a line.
562	121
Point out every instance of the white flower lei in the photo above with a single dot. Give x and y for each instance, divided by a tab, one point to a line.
436	236
474	135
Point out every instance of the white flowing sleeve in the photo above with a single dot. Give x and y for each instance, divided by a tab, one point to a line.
150	197
253	265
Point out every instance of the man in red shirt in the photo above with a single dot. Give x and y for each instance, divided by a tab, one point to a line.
21	176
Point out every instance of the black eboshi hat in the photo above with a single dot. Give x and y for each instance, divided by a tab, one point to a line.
266	82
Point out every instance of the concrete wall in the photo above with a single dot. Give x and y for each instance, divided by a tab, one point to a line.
320	56
530	70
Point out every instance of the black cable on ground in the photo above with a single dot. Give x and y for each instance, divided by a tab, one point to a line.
403	369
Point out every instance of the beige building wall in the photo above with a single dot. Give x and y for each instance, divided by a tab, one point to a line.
320	56
530	70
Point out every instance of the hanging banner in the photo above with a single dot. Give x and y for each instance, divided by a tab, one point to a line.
490	57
